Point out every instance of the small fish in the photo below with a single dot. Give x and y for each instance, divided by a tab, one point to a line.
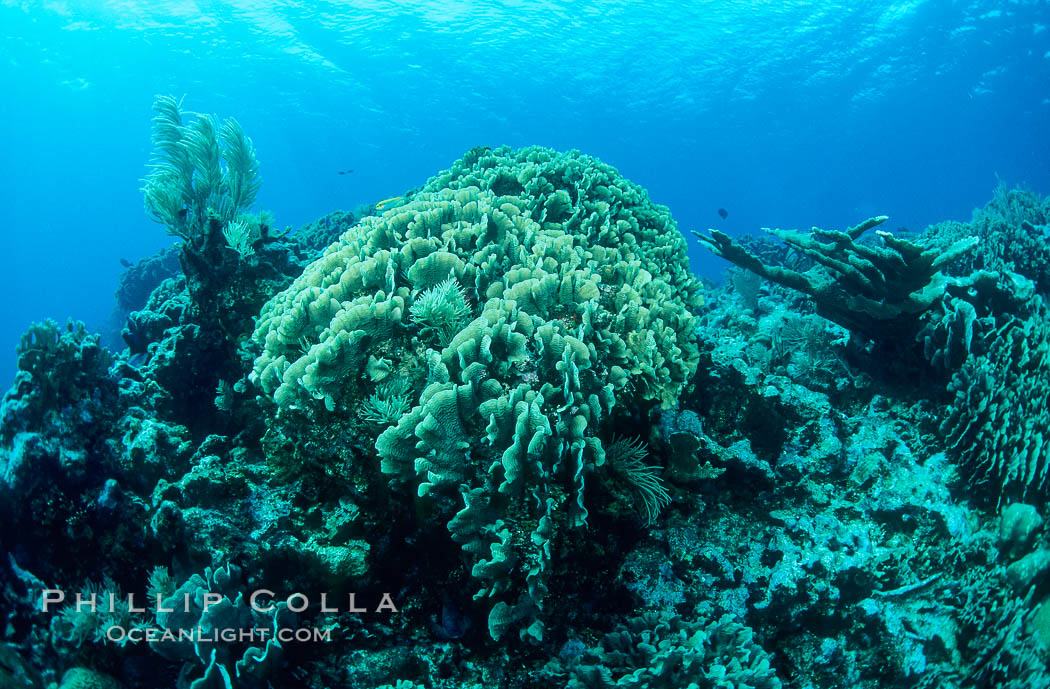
126	263
723	212
382	204
345	172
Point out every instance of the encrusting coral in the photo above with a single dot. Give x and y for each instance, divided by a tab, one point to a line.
528	297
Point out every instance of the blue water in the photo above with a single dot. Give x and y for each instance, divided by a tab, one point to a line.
787	114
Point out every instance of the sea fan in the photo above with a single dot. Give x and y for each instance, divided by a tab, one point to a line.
627	458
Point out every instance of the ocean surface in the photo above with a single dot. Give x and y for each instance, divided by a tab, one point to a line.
786	114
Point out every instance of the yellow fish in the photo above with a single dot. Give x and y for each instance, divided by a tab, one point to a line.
381	204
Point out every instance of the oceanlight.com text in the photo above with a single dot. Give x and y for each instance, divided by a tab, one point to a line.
251	635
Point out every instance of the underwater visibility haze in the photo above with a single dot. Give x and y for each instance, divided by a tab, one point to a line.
438	344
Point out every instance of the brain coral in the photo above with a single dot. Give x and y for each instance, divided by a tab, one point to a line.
519	301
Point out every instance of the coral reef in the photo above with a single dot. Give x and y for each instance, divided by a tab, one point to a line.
874	291
986	330
138	281
999	418
523	322
1013	233
993	337
493	423
663	650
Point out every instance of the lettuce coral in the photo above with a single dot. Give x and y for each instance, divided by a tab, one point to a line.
226	664
991	334
998	420
527	297
663	650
